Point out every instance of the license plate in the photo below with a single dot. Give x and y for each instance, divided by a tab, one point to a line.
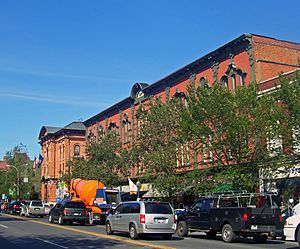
36	209
76	213
160	221
254	227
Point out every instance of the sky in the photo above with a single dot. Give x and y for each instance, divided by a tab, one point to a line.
64	60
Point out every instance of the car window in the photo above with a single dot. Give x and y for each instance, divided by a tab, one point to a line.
135	208
118	210
37	204
126	208
75	205
197	205
158	208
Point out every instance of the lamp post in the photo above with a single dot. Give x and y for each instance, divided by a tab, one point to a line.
18	180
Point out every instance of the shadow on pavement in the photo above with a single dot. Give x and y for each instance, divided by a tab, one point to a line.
239	240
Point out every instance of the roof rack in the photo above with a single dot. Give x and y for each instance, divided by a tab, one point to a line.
237	195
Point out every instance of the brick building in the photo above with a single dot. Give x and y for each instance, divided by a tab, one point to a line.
59	147
248	58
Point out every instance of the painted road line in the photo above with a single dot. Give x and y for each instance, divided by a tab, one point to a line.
49	242
3	226
111	237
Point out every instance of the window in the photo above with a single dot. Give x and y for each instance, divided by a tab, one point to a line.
126	208
135	208
158	208
118	209
224	81
233	82
76	150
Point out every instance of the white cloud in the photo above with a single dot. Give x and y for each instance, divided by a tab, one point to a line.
66	100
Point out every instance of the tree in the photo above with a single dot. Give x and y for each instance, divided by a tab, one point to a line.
105	160
20	167
232	130
157	144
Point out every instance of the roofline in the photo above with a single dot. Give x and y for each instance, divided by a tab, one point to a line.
269	37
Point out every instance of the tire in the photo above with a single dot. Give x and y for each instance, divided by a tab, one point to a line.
261	238
82	223
60	220
70	222
167	236
51	218
182	230
42	216
228	235
211	234
108	228
298	236
133	232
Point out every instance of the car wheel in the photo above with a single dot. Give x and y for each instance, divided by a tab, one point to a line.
228	235
211	234
42	216
82	223
108	229
50	218
60	220
261	238
298	237
182	230
133	232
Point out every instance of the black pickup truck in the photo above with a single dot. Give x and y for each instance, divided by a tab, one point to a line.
232	216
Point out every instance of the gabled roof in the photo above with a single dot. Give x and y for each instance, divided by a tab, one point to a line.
76	125
48	130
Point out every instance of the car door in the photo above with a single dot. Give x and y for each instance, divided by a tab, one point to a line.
55	212
115	218
125	217
204	215
193	217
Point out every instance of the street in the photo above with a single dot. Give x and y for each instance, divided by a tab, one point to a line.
18	232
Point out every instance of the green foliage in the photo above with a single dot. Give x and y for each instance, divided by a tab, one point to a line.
20	166
105	159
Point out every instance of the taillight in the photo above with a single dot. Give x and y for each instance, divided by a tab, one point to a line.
65	212
245	217
14	206
142	219
175	218
280	218
86	212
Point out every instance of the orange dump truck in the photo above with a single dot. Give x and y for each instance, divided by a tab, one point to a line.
99	199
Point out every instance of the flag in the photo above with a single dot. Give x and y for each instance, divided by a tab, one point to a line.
51	183
40	160
132	187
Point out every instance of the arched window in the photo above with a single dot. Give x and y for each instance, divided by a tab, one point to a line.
76	150
233	82
224	81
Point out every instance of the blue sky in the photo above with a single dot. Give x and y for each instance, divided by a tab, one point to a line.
66	60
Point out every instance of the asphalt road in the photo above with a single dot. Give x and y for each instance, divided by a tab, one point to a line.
35	233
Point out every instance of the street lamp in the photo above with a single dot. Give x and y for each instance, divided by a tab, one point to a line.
18	179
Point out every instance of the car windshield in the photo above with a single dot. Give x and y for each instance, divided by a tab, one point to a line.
158	208
75	205
37	204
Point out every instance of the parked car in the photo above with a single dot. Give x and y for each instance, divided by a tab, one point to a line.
69	211
34	208
15	207
142	217
48	208
233	215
